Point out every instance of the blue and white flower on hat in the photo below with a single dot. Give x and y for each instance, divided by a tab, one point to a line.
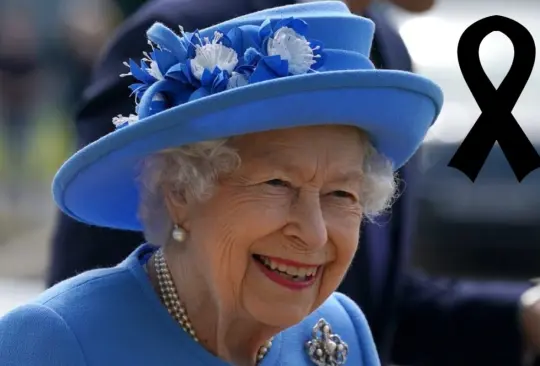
285	50
209	62
212	54
187	67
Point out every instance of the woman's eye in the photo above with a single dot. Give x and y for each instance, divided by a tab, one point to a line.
343	194
278	183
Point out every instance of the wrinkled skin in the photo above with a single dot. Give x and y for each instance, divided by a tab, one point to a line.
296	196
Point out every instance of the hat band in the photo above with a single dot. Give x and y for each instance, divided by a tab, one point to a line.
348	32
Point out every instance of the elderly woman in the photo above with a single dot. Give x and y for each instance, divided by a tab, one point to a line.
255	154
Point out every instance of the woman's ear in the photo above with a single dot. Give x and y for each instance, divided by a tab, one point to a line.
177	205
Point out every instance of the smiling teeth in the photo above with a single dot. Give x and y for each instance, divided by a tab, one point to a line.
288	269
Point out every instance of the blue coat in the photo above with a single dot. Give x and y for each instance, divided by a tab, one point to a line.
416	320
113	317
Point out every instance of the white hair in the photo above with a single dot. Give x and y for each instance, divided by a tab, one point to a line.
192	170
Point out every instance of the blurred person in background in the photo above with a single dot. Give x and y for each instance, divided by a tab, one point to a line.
85	27
415	319
19	92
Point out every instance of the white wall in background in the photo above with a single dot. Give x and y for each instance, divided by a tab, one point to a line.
17	292
432	40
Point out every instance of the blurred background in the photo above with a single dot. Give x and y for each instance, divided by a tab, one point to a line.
489	229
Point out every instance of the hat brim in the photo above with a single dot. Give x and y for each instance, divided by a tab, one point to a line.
98	186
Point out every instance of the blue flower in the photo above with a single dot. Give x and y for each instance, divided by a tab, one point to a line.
200	65
154	67
285	50
269	28
168	50
142	75
211	58
163	61
211	62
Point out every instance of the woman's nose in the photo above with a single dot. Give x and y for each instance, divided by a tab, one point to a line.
307	222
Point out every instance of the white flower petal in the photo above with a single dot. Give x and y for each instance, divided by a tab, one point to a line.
120	120
292	47
154	71
212	54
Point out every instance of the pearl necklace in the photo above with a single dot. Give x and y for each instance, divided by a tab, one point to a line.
176	308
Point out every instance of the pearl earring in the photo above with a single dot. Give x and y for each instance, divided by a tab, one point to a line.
179	234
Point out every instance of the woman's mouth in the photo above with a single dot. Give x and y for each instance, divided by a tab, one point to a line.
286	273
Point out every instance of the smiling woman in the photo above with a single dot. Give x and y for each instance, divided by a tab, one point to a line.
254	155
274	208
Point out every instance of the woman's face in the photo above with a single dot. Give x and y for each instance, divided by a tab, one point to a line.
277	236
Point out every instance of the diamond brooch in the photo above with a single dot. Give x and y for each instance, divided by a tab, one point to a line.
326	348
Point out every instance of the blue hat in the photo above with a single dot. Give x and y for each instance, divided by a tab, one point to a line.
291	66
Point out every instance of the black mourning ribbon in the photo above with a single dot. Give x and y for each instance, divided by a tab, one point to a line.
496	123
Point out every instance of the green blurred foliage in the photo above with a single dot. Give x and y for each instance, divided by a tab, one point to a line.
51	142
